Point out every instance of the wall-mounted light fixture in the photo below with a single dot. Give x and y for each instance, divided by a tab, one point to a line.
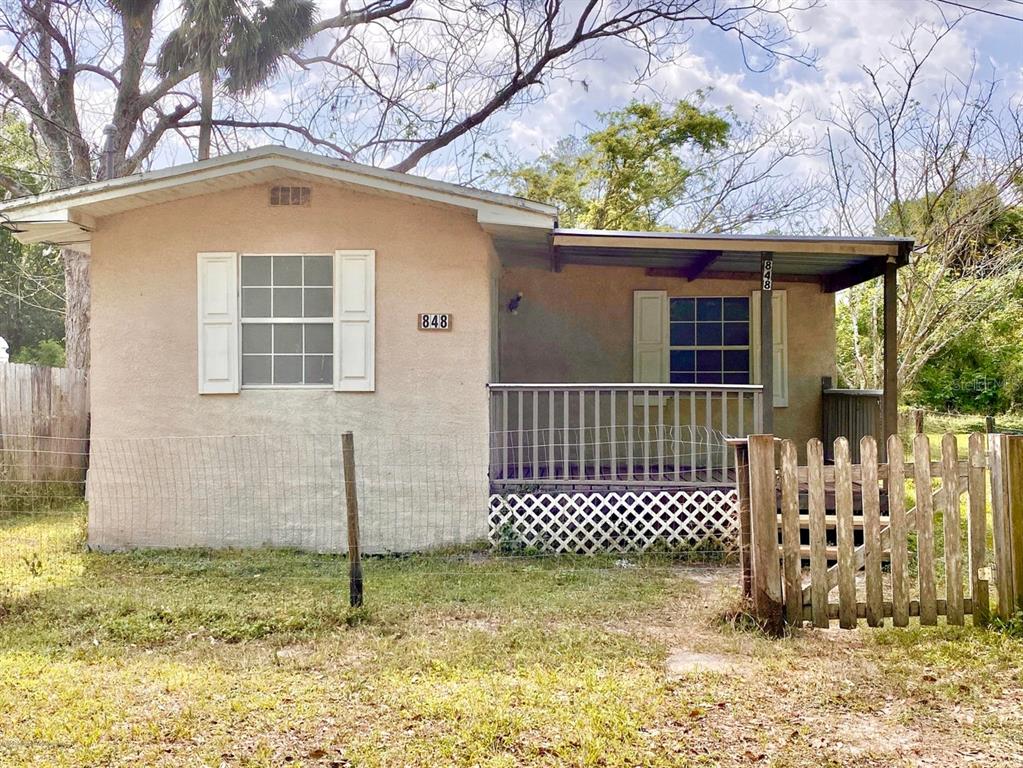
513	305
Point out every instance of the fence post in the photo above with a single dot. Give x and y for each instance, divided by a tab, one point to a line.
918	421
352	509
766	567
1013	469
999	523
989	424
742	489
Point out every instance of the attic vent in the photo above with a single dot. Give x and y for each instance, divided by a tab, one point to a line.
289	196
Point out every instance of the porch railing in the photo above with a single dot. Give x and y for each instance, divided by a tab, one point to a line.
628	434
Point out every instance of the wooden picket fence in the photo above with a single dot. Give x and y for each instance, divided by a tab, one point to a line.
806	530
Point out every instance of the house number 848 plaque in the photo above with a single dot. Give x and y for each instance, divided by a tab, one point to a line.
434	321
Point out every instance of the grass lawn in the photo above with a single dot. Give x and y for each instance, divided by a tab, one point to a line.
961	425
254	659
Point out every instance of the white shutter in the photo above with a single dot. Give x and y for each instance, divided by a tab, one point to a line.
218	322
650	336
779	319
354	321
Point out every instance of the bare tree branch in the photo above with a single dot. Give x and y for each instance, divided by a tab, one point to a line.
302	131
942	170
388	82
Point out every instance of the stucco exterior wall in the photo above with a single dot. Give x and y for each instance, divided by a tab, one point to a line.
429	258
576	326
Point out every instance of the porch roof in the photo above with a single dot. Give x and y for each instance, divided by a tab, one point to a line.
833	262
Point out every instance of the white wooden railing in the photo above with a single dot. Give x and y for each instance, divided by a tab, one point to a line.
618	434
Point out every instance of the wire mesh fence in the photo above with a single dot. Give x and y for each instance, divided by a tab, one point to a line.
920	420
65	504
417	493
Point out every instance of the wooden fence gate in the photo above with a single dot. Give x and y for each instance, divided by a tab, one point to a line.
805	530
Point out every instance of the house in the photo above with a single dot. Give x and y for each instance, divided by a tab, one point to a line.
273	294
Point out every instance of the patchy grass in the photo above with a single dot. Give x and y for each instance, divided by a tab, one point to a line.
254	659
964	424
961	425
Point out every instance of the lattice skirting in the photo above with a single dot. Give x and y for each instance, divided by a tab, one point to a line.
589	523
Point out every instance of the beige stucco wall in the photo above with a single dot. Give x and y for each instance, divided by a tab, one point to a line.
429	258
576	326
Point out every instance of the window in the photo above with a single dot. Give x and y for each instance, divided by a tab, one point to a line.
709	340
287	320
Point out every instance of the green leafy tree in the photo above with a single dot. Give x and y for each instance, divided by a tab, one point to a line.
31	277
47	352
685	167
979	372
953	296
246	41
627	173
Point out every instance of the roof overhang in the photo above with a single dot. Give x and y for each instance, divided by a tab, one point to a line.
834	263
522	230
68	216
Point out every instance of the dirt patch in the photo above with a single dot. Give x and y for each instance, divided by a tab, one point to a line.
685	662
296	653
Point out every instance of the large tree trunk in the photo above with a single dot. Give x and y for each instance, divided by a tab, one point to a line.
77	290
206	114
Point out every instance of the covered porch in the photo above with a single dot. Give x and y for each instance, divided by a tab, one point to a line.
627	360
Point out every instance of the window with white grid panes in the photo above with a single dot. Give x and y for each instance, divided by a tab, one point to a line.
287	320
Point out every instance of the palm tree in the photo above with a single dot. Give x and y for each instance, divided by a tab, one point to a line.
243	39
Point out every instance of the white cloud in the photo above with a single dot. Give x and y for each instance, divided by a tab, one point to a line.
847	34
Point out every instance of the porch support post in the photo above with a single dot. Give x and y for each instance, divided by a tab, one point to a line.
890	400
767	338
555	254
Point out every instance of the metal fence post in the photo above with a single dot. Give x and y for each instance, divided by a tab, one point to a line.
352	510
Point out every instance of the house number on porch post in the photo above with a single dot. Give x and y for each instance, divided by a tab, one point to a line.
767	274
767	339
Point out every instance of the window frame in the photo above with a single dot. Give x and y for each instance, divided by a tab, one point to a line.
332	320
695	348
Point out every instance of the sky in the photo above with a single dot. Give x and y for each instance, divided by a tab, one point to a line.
846	34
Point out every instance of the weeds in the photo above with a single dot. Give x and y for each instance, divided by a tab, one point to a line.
34	563
738	616
1011	627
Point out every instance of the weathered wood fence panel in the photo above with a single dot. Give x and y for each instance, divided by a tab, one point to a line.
799	553
44	423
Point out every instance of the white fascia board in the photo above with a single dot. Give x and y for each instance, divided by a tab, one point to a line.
274	157
505	217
